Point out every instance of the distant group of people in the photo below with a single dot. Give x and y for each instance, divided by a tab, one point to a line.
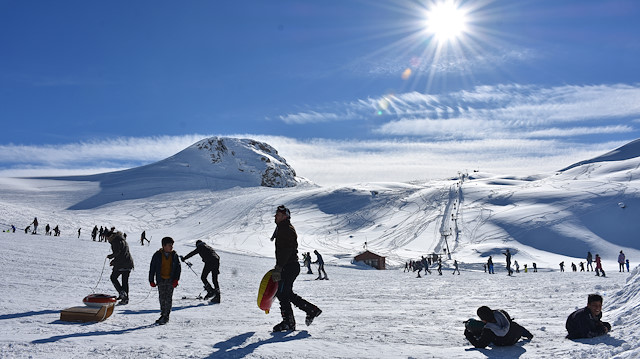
306	262
623	263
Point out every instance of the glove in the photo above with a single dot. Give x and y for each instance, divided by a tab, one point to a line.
174	283
152	284
276	274
181	258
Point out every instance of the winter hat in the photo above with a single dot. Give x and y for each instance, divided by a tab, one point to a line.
283	209
199	242
485	313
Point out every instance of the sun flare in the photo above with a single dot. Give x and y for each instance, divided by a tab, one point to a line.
446	21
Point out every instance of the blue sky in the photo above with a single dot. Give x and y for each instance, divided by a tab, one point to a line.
340	87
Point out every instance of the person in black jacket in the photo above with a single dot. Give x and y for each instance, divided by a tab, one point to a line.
286	271
122	264
165	271
211	265
496	327
585	322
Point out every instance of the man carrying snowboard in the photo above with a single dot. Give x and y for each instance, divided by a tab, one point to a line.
211	265
286	271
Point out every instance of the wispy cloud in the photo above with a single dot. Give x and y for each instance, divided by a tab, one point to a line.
492	112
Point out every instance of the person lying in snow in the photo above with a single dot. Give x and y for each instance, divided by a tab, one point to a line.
496	327
585	322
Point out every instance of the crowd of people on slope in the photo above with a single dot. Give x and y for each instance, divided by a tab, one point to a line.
425	263
494	326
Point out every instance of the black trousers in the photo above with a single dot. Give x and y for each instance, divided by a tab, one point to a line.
125	280
285	294
214	270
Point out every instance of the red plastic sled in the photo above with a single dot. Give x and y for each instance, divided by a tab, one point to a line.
98	300
267	292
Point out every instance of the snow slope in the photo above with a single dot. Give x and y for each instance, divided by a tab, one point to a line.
546	218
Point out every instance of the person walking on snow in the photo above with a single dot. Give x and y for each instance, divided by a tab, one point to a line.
626	261
122	264
286	271
164	272
515	263
599	266
35	225
589	261
490	265
562	266
320	262
508	255
621	261
211	265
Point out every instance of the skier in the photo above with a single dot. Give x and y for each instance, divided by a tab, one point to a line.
626	261
211	261
94	233
581	266
525	269
122	264
490	265
164	272
515	263
320	262
455	267
621	261
562	266
589	261
79	229
143	237
508	255
535	267
599	266
286	271
574	267
56	231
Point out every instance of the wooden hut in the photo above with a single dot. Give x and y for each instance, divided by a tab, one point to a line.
371	259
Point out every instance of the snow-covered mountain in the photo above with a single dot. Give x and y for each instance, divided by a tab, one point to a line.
212	164
224	190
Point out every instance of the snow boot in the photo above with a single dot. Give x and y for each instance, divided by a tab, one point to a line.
124	299
162	320
288	323
312	314
210	291
215	299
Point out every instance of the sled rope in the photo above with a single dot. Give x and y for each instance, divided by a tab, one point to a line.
99	279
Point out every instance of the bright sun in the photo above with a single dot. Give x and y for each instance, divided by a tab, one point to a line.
446	21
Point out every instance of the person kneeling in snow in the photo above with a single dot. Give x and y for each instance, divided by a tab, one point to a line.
496	327
585	322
